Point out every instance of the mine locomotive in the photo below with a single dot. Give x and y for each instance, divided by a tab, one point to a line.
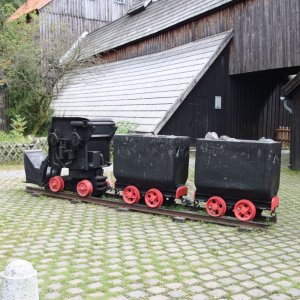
232	177
83	146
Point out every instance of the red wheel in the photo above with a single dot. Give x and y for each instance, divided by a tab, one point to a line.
84	188
216	206
244	210
131	195
56	184
154	198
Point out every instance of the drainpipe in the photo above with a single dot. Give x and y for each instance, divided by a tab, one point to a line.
285	104
68	55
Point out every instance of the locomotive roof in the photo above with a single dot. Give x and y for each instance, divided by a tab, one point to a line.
155	17
144	90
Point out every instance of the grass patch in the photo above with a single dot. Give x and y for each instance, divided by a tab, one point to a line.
11	166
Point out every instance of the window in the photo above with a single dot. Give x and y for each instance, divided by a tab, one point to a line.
119	1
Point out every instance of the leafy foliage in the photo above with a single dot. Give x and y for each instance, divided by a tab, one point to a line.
32	69
125	127
19	124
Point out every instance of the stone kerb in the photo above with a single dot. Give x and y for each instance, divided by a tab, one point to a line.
19	281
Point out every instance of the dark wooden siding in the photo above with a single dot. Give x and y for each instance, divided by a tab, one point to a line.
295	143
266	35
256	105
251	106
197	115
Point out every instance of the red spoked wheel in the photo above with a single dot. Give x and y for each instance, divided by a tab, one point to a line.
244	210
56	184
131	195
154	198
216	206
84	188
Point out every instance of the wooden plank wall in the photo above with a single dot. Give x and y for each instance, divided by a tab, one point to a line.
68	19
295	138
256	105
266	35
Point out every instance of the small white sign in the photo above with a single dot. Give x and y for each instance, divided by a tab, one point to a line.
218	102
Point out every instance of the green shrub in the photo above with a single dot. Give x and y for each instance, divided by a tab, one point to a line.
125	127
12	136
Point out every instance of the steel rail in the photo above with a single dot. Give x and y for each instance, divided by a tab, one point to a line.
185	215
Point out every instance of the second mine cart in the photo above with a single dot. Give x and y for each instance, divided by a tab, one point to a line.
153	167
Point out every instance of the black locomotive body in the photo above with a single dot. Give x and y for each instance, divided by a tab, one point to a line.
151	167
83	146
237	175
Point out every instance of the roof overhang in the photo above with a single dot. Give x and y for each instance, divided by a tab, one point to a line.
291	85
28	7
145	90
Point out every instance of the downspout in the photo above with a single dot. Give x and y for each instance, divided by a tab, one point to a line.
285	104
68	55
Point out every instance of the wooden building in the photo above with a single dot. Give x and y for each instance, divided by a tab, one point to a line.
187	67
72	18
292	91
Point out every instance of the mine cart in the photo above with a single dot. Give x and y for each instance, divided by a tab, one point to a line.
237	175
151	167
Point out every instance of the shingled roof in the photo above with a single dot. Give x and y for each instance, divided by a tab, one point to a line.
28	7
145	90
156	17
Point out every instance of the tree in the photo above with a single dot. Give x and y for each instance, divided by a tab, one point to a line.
34	75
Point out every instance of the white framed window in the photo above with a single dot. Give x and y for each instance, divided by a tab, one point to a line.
120	1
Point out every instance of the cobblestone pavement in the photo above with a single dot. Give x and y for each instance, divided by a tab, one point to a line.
88	252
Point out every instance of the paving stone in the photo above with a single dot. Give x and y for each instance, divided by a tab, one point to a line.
271	288
218	293
280	297
294	292
55	286
174	286
256	293
234	288
119	298
75	291
240	297
156	290
284	283
263	279
54	295
136	286
137	294
177	294
158	297
95	285
117	289
249	284
196	289
200	297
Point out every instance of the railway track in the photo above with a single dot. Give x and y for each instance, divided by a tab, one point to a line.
260	224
